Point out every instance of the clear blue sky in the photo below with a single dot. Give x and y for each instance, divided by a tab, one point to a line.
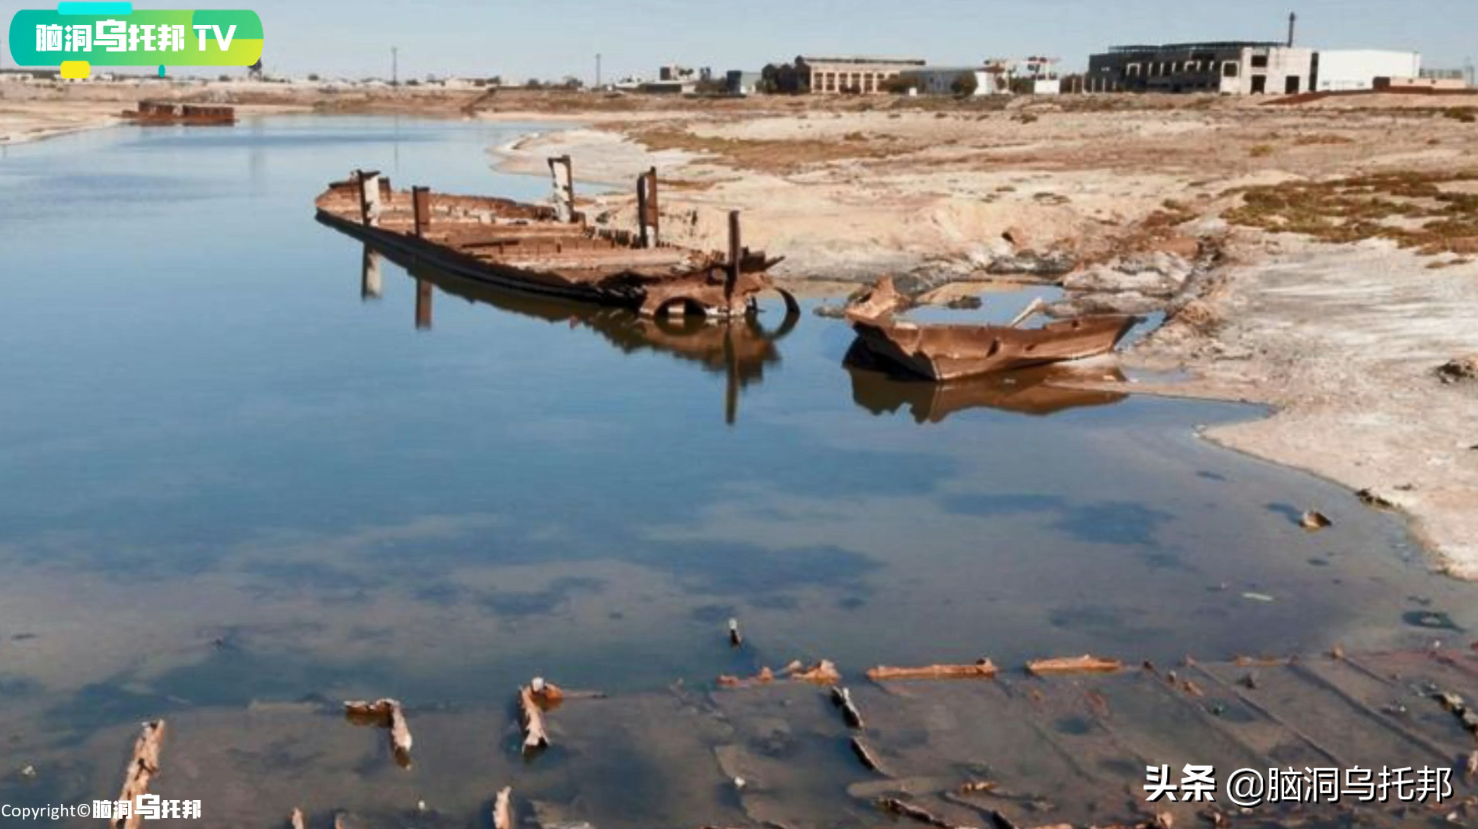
551	38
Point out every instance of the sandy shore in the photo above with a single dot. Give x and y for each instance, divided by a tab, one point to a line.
21	122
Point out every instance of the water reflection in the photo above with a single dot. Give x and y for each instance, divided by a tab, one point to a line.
740	350
1026	391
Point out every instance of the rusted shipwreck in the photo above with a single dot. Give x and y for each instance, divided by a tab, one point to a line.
943	352
553	250
163	113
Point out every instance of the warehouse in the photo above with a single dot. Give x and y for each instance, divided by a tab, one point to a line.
863	76
1244	68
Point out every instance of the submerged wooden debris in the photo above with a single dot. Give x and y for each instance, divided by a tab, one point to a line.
1314	521
842	698
865	755
552	250
533	700
893	805
942	352
503	809
779	761
821	673
388	714
983	669
139	773
1073	665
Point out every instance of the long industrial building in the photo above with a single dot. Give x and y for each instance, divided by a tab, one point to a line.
863	76
1244	68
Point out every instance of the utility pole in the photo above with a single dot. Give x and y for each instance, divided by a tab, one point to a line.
597	70
394	66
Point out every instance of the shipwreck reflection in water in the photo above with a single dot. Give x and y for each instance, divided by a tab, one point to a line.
739	349
1025	391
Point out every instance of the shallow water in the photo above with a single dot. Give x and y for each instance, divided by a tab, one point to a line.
234	472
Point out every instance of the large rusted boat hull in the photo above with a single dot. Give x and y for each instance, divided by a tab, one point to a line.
950	352
519	279
536	249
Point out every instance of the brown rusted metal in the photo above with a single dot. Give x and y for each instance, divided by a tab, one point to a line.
530	248
158	113
736	255
949	352
371	194
647	210
421	207
139	774
563	172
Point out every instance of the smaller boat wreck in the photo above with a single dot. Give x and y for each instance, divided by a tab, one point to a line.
552	250
164	113
944	352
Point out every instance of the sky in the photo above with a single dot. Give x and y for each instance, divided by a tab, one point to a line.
549	39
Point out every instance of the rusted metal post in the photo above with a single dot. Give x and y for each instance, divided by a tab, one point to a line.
641	210
421	205
564	188
736	256
423	305
651	214
369	198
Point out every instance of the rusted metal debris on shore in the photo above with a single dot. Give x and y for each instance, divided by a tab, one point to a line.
943	352
554	250
143	765
982	669
920	745
168	113
823	672
387	714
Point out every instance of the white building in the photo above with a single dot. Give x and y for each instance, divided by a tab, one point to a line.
942	80
1244	68
1342	70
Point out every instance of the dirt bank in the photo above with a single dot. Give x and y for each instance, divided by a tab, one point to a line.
1345	341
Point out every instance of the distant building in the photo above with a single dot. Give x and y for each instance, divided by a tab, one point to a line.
863	76
998	76
1243	68
1342	70
944	80
672	79
739	82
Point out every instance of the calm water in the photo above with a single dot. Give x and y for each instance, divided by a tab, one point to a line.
236	469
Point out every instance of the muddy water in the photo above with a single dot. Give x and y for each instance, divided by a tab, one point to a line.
238	471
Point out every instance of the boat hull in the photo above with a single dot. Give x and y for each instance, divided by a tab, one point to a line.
526	247
950	352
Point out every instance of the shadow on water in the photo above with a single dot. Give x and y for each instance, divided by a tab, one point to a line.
1027	391
738	350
